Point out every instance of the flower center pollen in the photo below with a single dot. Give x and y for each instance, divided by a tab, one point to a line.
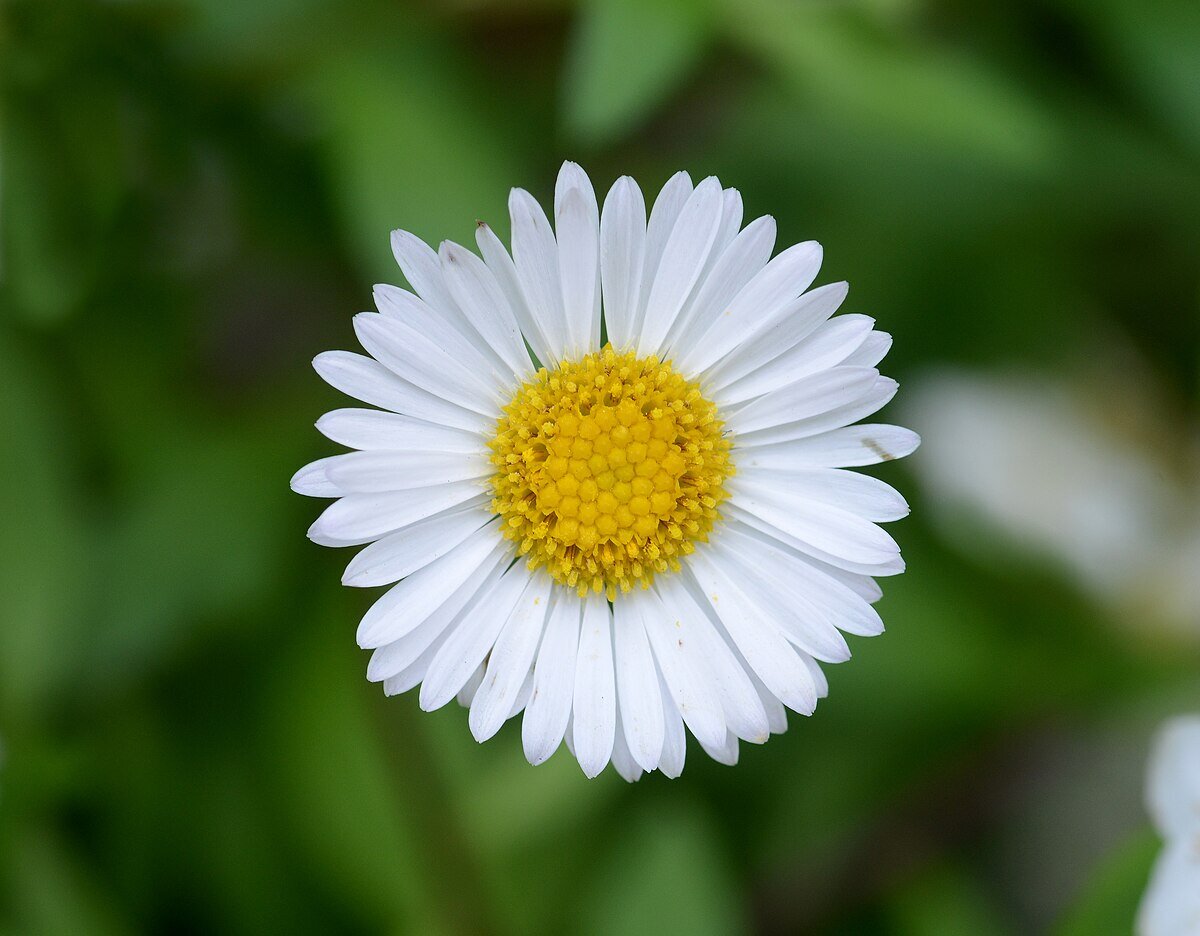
608	469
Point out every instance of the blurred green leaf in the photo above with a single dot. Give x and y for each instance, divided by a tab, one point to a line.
837	58
627	57
1109	902
665	874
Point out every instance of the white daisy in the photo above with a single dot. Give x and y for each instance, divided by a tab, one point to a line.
654	415
1171	906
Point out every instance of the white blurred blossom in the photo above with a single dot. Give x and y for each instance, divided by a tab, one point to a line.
1171	906
1089	476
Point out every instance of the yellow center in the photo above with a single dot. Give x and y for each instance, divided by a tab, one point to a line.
608	469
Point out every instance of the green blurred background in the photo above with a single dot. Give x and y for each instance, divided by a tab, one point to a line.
195	196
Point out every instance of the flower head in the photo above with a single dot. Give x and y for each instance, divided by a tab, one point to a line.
606	475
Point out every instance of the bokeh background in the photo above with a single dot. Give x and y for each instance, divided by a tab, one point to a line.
195	197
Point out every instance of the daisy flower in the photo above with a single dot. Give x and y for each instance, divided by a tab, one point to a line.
1171	906
605	475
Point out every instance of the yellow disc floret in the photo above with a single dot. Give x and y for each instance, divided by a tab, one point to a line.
608	469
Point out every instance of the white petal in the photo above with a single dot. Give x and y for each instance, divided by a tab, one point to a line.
727	752
670	202
763	646
813	396
450	333
674	751
505	272
412	674
878	397
855	493
476	290
313	479
577	232
873	350
783	603
1173	785
735	511
622	253
409	602
683	259
622	760
818	675
370	516
472	638
522	698
535	255
680	656
373	430
637	685
510	659
365	379
795	327
737	266
758	306
549	709
1171	906
593	715
743	710
848	447
401	553
391	658
829	345
844	607
423	270
731	222
466	695
828	529
415	358
380	471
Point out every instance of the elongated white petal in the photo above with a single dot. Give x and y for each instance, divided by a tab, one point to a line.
784	604
356	516
409	602
496	256
1171	906
401	553
594	714
487	308
637	686
875	399
391	658
829	344
764	647
577	232
1173	784
683	259
663	215
313	479
812	396
743	710
510	659
622	758
412	674
736	510
535	255
416	359
452	334
725	753
758	305
681	661
420	265
741	261
847	447
873	350
674	751
380	471
622	255
376	430
549	710
365	379
472	638
851	491
843	606
796	325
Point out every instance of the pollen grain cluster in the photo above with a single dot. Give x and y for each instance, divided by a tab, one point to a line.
608	469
